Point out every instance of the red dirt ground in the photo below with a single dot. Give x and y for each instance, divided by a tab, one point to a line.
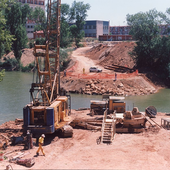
148	150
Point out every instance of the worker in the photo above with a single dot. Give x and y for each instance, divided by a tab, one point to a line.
83	70
115	76
64	73
41	142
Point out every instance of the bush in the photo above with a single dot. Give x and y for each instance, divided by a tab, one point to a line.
64	58
27	68
2	73
10	64
31	44
40	41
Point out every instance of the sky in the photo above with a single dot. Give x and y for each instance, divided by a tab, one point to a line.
115	11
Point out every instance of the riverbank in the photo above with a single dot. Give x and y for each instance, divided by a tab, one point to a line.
146	150
120	87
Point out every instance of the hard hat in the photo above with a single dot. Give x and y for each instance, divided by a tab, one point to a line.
43	135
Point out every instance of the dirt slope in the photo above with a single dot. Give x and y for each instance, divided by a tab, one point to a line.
112	54
26	58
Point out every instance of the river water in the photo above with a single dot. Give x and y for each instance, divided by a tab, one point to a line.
14	95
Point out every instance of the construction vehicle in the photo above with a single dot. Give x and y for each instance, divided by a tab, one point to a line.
124	121
48	110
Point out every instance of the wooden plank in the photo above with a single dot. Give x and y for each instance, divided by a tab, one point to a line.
40	46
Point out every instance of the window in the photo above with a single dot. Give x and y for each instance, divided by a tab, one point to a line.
41	3
28	26
35	2
94	26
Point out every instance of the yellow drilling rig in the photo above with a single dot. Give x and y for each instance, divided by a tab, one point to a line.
48	110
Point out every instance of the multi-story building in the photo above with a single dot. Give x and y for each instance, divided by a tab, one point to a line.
30	24
119	33
119	30
94	28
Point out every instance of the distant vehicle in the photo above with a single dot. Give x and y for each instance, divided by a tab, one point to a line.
95	69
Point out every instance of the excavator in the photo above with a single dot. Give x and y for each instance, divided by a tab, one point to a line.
49	109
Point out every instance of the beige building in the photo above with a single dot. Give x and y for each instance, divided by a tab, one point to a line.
30	24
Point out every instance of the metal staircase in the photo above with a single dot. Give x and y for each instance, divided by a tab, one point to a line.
108	129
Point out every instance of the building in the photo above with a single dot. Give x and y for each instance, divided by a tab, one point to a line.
121	33
119	30
94	28
115	37
30	24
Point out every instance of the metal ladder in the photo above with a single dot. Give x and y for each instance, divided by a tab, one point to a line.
108	129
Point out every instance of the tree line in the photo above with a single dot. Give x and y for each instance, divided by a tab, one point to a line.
13	18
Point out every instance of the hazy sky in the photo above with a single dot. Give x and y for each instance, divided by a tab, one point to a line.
115	11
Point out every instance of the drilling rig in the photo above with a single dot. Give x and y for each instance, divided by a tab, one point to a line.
48	110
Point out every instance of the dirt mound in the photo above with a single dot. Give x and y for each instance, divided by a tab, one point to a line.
26	58
113	54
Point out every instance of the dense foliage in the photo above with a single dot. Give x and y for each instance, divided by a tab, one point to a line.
65	34
16	20
72	22
5	37
152	51
38	15
78	14
13	36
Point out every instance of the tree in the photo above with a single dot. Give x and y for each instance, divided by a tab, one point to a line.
38	15
16	20
5	37
151	51
145	30
65	36
78	14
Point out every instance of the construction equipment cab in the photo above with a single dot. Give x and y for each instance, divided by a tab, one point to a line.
116	104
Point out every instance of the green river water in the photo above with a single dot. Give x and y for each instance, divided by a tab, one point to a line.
14	95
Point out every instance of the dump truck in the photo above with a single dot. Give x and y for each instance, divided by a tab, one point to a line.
49	110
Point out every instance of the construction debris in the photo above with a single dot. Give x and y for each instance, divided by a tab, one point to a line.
121	69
